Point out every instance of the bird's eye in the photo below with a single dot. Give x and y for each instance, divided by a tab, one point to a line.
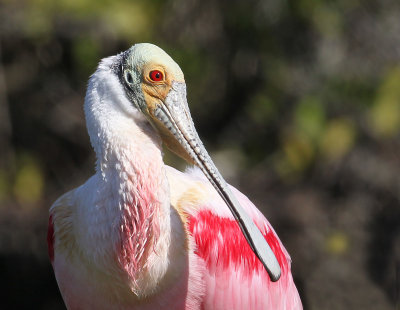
156	76
128	77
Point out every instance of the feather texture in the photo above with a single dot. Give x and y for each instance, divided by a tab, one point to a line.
141	235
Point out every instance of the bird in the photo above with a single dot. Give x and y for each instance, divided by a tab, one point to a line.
139	234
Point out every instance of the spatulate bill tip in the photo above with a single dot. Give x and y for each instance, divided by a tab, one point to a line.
274	276
270	263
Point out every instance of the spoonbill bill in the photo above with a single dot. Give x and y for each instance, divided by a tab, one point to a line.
142	235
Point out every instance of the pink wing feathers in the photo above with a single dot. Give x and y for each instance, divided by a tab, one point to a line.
235	278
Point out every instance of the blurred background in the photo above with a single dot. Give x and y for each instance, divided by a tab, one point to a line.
298	101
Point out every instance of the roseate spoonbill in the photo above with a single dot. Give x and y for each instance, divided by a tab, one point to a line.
141	235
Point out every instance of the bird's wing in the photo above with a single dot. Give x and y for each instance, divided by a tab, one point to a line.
60	224
234	277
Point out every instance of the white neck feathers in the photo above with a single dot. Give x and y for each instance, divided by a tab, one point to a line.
129	162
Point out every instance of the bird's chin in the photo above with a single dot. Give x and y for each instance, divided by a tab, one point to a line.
171	142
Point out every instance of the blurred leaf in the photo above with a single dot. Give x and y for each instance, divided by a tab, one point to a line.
127	19
310	117
337	243
298	151
4	185
307	6
299	144
385	113
86	54
328	20
261	109
130	19
37	18
338	138
29	183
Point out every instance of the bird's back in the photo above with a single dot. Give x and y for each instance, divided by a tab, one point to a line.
234	278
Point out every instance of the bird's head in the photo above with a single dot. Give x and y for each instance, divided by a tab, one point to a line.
154	85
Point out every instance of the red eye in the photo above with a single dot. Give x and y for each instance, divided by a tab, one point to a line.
156	75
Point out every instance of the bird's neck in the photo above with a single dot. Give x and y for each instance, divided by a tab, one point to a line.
134	195
135	198
132	168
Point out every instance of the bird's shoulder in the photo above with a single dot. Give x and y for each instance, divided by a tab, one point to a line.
59	221
192	193
189	190
212	225
63	214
